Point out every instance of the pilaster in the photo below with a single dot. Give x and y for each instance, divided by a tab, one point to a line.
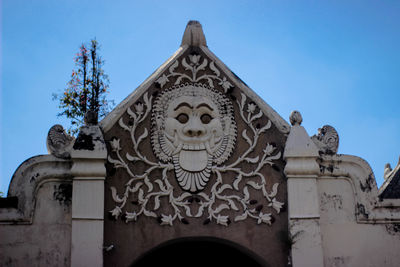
89	155
302	171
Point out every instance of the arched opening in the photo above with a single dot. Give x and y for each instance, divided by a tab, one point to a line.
199	252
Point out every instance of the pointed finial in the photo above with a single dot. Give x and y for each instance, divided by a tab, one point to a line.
193	35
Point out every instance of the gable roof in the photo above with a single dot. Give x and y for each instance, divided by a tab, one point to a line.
193	37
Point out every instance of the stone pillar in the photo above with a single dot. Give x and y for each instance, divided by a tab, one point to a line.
303	203
89	155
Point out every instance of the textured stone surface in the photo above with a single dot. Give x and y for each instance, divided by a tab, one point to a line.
133	234
45	242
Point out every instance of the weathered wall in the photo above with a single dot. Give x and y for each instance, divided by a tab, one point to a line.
346	242
47	241
336	216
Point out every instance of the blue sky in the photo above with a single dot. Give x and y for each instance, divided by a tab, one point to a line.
337	62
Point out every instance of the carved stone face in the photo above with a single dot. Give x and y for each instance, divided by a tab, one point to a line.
193	131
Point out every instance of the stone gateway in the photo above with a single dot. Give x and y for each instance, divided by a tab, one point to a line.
194	169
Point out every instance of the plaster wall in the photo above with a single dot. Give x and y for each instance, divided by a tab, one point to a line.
45	242
346	242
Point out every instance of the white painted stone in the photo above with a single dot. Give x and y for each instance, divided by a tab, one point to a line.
307	244
87	243
303	198
304	212
299	144
87	193
88	199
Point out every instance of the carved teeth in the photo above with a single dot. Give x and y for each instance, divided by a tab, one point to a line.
177	150
194	147
212	141
176	141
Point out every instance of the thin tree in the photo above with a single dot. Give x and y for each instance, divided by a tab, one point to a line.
86	90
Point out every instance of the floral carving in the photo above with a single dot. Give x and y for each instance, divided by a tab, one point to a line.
196	66
223	194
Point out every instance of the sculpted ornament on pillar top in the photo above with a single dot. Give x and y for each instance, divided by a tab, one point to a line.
193	134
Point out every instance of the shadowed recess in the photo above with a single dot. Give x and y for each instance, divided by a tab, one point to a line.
199	252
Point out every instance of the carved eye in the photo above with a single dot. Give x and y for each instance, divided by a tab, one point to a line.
182	118
205	118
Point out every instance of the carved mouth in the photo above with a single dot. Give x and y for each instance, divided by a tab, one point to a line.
211	143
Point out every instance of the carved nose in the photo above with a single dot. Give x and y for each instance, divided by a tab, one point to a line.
193	130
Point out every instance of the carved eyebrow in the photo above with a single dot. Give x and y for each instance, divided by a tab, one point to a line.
205	105
184	104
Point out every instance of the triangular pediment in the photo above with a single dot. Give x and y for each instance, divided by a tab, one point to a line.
215	74
194	152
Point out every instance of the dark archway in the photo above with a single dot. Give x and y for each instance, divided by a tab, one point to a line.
199	252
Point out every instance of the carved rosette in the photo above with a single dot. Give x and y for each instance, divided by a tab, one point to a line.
193	134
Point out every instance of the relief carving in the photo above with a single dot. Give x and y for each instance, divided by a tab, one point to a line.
327	140
193	127
193	134
58	142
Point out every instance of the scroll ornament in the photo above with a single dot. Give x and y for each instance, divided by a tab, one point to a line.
193	133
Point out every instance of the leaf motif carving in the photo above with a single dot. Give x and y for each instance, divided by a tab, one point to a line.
243	101
254	185
185	64
232	204
173	66
266	127
131	113
221	208
135	188
161	185
115	196
246	193
203	65
140	196
210	82
241	217
214	69
117	163
149	185
131	158
147	100
178	80
224	187
237	181
157	202
200	211
248	140
257	116
123	125
149	213
143	136
274	190
252	160
277	156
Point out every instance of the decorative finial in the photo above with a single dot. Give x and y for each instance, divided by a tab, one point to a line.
387	171
327	140
295	118
59	142
193	35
